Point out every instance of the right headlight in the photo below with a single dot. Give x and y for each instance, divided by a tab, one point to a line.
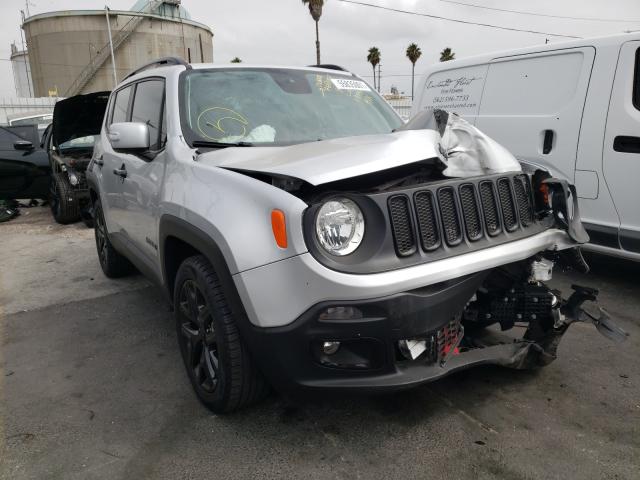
340	226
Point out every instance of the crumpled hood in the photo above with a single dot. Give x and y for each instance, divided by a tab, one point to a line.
462	149
78	116
330	160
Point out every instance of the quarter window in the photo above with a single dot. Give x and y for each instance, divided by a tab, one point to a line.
147	108
121	106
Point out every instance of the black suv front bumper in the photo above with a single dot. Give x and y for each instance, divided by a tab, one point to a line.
368	358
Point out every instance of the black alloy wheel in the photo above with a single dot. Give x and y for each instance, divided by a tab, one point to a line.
197	337
216	358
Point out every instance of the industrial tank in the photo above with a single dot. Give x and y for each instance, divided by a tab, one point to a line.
69	51
21	72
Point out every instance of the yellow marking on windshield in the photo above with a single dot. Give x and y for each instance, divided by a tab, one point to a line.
216	122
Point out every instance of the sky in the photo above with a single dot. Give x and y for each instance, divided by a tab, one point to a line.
282	32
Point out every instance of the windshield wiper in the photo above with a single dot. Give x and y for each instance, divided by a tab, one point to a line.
208	144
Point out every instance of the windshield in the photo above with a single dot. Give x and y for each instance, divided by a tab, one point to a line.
279	106
81	142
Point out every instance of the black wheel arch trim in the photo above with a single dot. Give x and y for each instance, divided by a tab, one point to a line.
172	226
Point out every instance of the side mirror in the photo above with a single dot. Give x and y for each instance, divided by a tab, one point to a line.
129	136
22	145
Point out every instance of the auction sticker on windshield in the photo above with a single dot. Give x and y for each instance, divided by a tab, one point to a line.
347	84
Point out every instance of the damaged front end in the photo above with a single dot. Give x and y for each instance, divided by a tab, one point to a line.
514	320
451	270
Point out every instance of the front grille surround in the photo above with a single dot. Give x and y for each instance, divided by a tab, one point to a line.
421	231
466	213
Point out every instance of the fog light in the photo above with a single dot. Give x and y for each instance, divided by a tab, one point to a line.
340	313
329	348
73	179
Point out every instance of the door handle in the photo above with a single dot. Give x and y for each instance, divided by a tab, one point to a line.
626	144
547	143
98	161
121	172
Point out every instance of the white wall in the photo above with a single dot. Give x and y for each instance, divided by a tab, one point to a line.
10	106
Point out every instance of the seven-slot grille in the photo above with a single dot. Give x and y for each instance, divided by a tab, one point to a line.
450	214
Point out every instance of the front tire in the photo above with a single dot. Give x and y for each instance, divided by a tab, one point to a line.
113	264
64	205
217	361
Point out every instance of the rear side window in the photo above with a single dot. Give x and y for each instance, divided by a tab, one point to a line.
636	82
147	108
121	105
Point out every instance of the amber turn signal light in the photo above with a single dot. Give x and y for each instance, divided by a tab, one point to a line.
279	227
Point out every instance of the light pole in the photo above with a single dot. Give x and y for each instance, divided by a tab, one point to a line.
113	61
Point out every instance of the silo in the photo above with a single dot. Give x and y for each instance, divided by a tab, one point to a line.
21	72
69	51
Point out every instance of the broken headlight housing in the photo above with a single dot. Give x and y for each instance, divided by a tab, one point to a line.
339	226
73	178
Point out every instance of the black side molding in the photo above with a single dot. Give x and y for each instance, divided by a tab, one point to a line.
602	235
630	240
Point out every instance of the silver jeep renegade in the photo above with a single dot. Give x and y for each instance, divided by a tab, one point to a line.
309	240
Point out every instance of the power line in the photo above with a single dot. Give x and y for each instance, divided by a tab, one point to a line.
467	22
535	14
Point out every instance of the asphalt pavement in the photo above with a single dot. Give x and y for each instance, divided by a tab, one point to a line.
92	387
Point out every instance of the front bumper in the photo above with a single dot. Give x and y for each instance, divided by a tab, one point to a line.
276	294
285	300
369	358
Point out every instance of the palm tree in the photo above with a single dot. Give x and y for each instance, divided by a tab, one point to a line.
446	55
413	54
315	9
236	60
374	59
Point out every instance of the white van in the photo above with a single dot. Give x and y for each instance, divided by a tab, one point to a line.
573	108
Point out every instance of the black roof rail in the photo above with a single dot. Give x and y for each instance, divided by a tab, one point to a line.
329	66
161	62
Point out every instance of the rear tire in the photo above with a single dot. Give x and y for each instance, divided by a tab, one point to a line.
64	205
113	264
218	363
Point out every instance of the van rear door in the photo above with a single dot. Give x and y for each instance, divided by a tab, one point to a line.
621	154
